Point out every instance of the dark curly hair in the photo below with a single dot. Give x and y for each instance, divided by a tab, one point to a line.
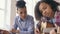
20	4
52	3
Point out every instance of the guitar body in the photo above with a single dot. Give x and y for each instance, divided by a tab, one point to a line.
49	25
45	25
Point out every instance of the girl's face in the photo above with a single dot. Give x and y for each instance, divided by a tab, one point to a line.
46	10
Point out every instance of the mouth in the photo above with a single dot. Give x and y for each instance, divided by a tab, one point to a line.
47	15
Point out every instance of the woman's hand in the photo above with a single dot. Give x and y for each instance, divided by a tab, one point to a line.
37	31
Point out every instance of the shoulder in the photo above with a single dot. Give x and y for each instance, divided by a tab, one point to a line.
29	17
16	17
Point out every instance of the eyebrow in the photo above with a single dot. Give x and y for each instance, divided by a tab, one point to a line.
43	7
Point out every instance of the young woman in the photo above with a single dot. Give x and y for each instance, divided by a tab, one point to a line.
45	11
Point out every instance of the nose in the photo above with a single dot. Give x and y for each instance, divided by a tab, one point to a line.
44	12
23	14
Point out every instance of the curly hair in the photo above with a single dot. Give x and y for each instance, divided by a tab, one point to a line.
54	5
20	4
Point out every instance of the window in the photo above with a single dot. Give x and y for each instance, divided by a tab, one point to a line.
4	14
30	4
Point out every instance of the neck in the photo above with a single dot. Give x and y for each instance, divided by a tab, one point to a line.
52	15
23	19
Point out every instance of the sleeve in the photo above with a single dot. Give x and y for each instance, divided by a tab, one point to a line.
38	26
30	28
15	24
57	18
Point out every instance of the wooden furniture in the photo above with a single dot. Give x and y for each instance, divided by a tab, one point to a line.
4	32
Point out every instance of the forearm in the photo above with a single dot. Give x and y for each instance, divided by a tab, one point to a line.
14	31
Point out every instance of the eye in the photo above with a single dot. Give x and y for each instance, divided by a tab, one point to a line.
41	11
44	8
20	12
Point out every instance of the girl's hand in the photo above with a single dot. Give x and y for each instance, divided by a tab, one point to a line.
37	31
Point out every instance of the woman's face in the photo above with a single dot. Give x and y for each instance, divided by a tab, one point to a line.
22	12
46	10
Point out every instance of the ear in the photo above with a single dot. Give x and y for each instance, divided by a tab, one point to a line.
17	12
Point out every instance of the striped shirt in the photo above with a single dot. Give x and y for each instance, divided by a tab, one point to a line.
25	26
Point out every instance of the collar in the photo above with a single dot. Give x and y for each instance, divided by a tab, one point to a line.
21	19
